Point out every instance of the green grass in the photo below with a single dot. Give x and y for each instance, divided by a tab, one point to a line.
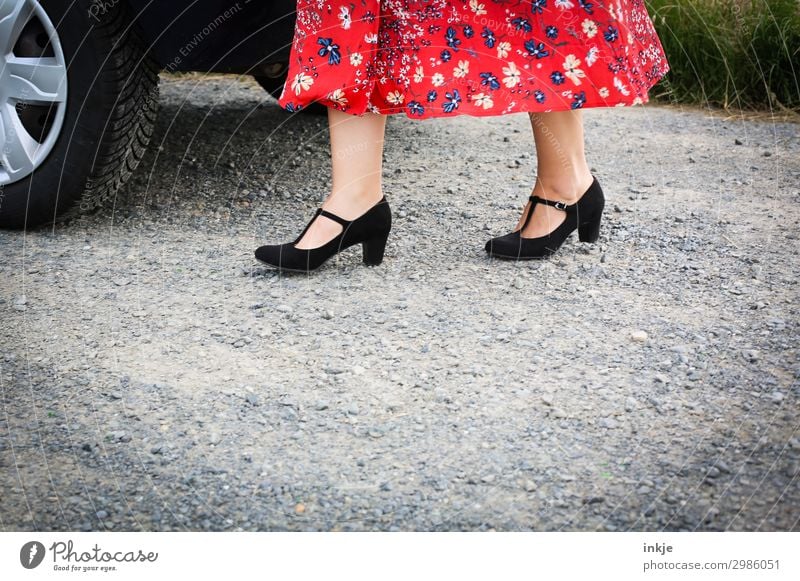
741	54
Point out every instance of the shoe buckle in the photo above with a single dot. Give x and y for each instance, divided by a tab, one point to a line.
560	205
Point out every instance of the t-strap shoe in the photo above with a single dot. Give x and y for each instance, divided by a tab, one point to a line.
371	230
584	215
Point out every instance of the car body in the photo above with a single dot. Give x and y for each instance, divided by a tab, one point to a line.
217	35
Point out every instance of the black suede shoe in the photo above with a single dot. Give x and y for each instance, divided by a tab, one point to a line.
584	215
371	229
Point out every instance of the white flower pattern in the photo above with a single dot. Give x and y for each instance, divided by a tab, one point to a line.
571	69
461	69
338	97
483	100
344	16
589	28
512	76
301	82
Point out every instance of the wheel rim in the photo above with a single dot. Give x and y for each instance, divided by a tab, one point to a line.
33	88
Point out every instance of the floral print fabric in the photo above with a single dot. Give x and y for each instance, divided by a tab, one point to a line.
437	58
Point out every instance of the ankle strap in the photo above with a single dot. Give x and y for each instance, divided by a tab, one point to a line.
569	208
558	205
332	216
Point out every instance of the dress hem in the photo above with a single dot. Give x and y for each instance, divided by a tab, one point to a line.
476	112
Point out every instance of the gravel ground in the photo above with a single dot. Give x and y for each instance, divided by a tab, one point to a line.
156	377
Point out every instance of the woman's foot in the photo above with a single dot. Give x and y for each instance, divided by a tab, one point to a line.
349	206
356	160
546	218
583	215
370	229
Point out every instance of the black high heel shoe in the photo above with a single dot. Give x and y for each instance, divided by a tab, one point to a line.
584	215
371	229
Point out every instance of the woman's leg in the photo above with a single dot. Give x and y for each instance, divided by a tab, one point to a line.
356	156
562	172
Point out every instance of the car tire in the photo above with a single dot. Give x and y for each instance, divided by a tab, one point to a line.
109	111
274	86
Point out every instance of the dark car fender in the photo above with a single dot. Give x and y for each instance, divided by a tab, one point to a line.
225	36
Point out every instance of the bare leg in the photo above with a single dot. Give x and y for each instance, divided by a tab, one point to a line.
356	156
562	172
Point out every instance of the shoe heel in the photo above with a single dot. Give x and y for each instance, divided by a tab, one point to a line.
373	249
590	231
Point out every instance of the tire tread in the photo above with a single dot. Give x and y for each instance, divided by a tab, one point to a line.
131	74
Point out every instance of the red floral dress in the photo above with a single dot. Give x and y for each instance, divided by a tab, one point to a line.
438	58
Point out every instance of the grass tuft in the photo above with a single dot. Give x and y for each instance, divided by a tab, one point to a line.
742	54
